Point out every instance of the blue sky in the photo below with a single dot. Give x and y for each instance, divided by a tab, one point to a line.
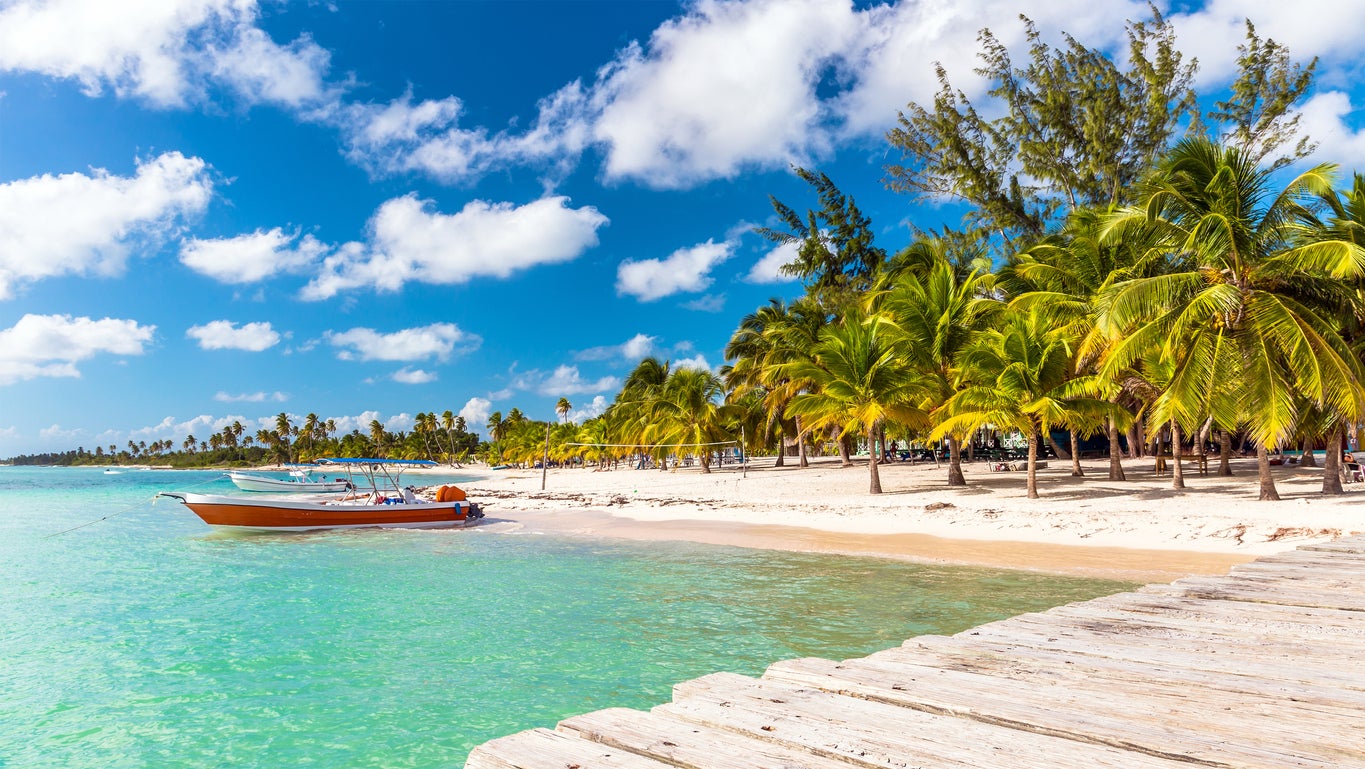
218	210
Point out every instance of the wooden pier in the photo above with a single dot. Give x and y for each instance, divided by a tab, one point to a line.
1263	668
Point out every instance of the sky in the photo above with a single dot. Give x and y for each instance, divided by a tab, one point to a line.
220	210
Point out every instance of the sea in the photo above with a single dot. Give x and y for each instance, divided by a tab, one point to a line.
132	635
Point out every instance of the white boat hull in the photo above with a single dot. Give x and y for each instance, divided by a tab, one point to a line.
250	482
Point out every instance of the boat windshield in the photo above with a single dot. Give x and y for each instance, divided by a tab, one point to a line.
387	472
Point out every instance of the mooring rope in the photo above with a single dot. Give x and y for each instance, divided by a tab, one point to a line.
134	506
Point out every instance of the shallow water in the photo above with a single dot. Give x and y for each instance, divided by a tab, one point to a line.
148	640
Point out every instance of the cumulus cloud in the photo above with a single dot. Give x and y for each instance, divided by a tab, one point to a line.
729	84
476	411
596	408
251	258
256	397
52	345
435	341
425	137
225	335
408	375
168	54
566	380
1325	120
633	349
707	303
697	361
411	242
687	269
89	223
768	269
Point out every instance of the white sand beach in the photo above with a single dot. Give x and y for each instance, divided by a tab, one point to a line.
1139	529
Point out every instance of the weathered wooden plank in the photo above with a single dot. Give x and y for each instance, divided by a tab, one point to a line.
1340	629
1350	545
1165	724
1154	642
1216	673
1341	594
544	749
690	745
1100	679
876	734
1203	610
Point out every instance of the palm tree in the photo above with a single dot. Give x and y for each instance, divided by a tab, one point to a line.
688	412
1063	276
448	425
563	408
764	343
1244	296
857	382
635	405
1020	377
379	436
935	313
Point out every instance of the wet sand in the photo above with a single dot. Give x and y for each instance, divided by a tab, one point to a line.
1123	564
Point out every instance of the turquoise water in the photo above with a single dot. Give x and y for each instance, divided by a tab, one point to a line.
146	640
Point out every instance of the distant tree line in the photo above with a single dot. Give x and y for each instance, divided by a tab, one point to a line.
440	438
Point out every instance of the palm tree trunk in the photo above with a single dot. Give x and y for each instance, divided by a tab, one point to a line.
1135	441
801	445
1177	469
1224	453
955	477
781	445
1033	464
1306	458
1331	462
1076	471
1062	453
1115	455
1268	493
876	487
845	459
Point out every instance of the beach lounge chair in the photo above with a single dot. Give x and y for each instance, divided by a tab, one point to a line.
1351	472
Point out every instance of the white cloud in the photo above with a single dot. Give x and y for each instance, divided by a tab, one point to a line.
768	268
52	345
566	380
476	411
224	335
435	341
80	224
687	269
633	349
596	408
1323	28
410	242
166	53
1324	120
425	137
256	397
251	258
697	361
729	84
408	375
707	303
361	422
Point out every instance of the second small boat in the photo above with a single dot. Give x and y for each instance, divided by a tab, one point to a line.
300	480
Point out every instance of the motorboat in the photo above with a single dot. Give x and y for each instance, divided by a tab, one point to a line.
300	480
380	503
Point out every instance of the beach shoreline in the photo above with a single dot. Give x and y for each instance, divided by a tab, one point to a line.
1139	530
